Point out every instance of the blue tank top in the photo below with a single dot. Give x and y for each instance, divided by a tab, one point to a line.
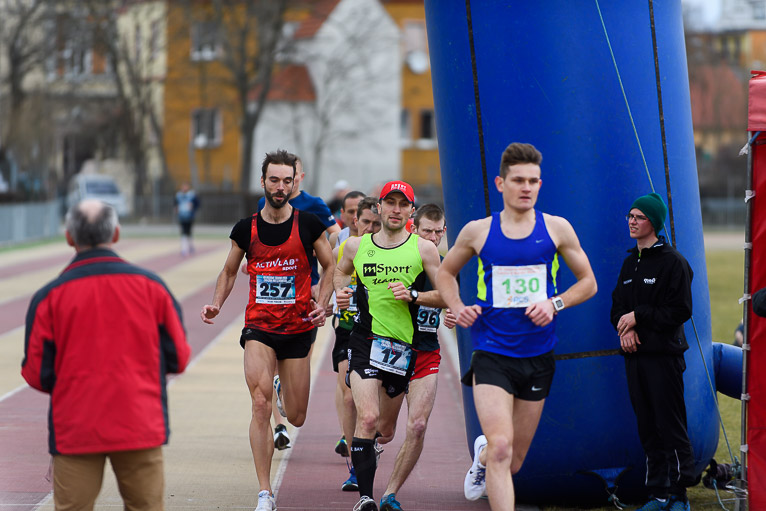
514	273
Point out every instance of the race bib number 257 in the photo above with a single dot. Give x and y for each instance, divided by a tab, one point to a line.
275	289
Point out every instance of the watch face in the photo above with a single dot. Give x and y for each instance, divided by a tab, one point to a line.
558	303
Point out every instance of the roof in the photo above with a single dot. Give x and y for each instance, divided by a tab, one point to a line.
318	12
290	83
718	97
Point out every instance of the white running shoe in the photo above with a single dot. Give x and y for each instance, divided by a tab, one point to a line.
365	504
475	485
278	390
266	502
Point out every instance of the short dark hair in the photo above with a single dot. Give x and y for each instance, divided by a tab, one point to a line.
517	153
278	157
91	232
431	211
351	195
370	203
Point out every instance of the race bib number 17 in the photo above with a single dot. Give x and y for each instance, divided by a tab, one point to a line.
518	286
390	356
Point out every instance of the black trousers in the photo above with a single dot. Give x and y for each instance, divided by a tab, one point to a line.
656	387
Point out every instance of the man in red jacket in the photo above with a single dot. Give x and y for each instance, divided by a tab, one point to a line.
104	369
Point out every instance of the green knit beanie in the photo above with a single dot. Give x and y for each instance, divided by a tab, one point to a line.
654	208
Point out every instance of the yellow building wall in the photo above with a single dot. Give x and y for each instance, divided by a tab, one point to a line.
420	165
196	84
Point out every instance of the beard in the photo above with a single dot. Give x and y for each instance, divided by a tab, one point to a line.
271	198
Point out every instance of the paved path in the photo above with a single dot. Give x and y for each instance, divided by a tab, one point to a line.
208	461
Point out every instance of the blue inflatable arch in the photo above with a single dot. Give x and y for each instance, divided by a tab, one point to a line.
602	90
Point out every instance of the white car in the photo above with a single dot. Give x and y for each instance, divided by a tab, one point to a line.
97	186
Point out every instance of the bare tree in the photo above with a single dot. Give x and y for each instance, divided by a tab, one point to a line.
250	34
24	49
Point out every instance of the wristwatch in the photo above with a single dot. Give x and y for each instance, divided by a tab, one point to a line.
558	304
414	295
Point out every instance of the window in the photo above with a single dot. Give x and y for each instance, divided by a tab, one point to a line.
154	40
405	126
206	127
427	125
138	43
206	41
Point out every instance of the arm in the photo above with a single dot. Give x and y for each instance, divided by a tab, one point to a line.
343	272
568	245
333	238
172	334
325	258
462	251
224	284
38	343
333	229
430	257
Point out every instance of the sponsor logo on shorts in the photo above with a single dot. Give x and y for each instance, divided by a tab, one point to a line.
370	372
650	281
536	389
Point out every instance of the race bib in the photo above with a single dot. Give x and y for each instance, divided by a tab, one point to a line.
390	356
428	319
273	289
518	286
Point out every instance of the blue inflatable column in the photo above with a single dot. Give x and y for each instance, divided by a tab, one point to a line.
578	80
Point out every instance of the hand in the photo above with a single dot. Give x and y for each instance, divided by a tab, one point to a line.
318	315
629	341
450	320
626	322
343	298
208	313
400	292
540	313
467	315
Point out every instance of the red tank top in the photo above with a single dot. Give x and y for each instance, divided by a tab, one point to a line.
280	284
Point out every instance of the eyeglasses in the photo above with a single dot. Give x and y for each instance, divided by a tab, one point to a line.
637	218
428	232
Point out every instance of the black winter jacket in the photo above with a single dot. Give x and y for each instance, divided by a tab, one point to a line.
656	285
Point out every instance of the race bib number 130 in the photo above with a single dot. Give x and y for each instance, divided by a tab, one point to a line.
279	290
518	286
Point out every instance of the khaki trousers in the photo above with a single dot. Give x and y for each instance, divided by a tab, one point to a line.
140	477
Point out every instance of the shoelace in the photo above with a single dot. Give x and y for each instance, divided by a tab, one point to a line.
479	476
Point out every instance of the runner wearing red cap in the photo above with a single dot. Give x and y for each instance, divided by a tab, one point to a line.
381	356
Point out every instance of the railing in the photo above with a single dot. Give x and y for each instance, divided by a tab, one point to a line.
30	221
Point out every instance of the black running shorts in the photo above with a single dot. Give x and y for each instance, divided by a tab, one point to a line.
526	378
359	362
284	345
340	349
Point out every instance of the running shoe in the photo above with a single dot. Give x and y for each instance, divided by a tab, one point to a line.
389	503
365	504
475	484
350	484
341	447
278	390
655	505
677	503
266	501
281	438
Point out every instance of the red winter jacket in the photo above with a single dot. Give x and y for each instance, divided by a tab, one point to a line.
100	339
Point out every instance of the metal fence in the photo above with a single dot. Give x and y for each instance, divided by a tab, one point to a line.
30	221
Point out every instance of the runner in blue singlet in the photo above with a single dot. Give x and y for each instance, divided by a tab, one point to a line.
513	320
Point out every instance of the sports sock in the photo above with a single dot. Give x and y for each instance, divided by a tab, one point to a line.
363	459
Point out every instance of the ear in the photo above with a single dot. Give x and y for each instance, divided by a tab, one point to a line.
116	235
69	239
499	183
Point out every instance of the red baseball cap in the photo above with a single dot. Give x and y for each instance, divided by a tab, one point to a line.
398	186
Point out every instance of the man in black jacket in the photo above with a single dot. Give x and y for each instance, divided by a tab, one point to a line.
650	304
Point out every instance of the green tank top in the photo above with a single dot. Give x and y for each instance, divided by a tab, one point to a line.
346	316
379	312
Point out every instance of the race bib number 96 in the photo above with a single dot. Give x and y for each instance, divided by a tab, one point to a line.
518	286
428	319
278	290
390	356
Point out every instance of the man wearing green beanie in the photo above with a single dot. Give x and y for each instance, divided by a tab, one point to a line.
650	304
